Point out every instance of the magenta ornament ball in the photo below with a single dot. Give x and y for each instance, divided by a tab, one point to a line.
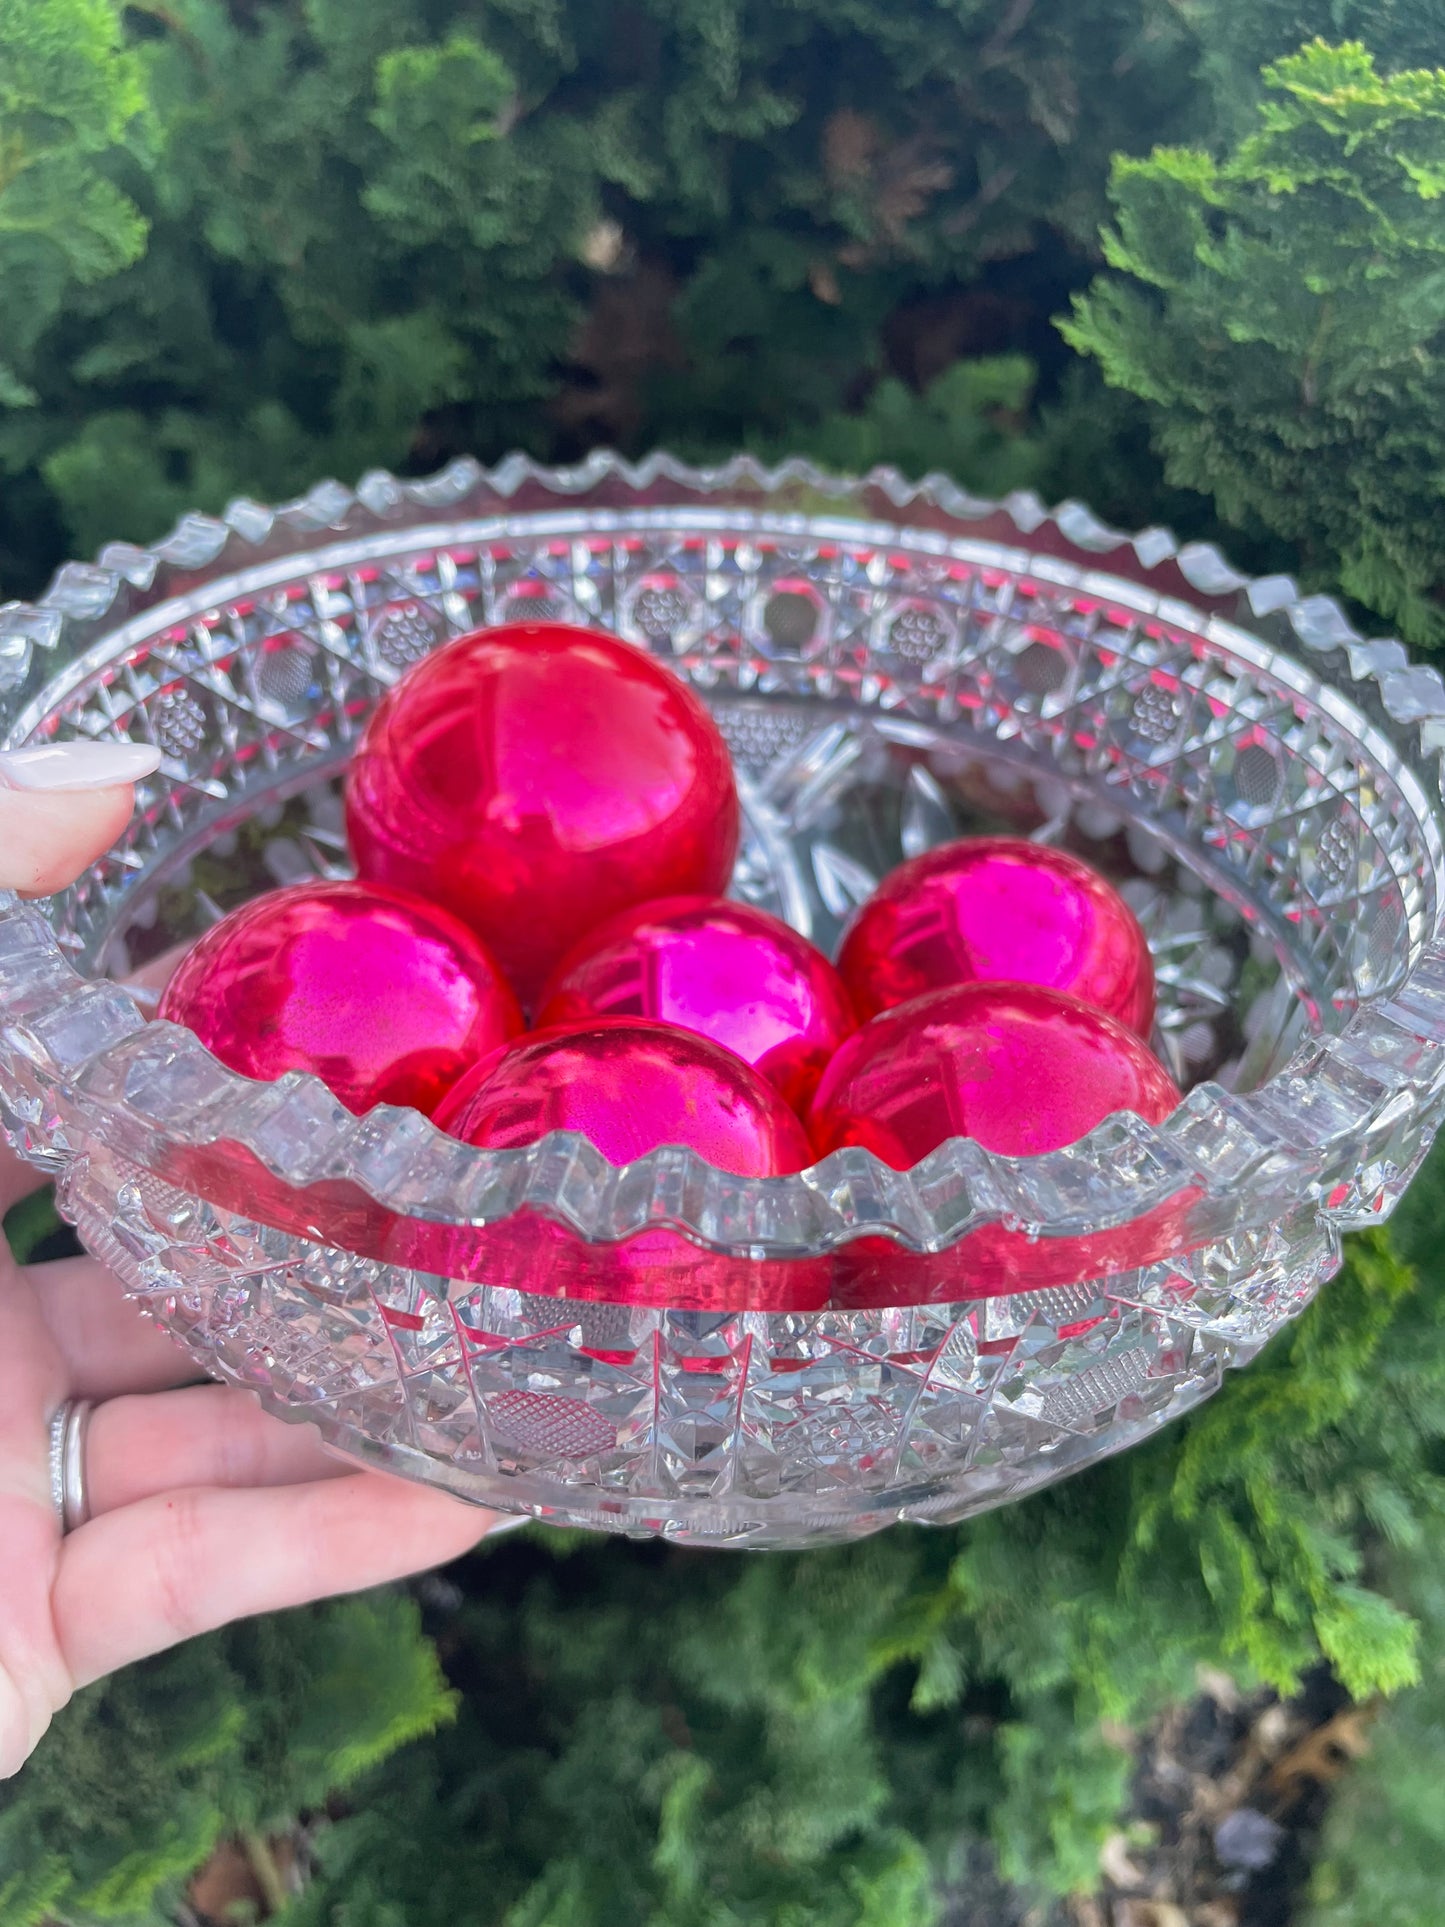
997	909
1021	1070
537	778
386	999
630	1086
725	970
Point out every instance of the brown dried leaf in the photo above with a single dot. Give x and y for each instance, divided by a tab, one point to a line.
1324	1754
249	1878
1115	1864
1085	1912
907	180
225	1884
1149	1913
1275	1728
1216	1913
1219	1686
896	182
824	283
850	140
997	184
603	246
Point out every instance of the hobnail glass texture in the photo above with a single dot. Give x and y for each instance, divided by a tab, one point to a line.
893	665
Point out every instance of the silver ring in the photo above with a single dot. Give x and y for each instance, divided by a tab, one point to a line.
67	1463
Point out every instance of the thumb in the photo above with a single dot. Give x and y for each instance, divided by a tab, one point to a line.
61	804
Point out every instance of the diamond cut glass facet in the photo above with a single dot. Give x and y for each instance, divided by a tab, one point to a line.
892	666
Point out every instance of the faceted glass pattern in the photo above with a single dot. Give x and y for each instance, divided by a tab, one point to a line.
892	665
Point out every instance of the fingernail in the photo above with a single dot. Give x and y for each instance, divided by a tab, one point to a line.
510	1523
77	766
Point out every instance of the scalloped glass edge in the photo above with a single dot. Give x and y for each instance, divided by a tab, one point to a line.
1343	1125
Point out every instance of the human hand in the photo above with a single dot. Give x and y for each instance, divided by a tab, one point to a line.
202	1508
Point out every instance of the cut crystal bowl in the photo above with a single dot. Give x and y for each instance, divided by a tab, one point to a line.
892	665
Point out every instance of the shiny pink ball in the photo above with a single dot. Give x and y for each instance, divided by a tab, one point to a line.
994	909
386	999
535	779
725	970
1020	1069
629	1085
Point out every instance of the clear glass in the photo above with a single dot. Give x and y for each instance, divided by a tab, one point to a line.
892	664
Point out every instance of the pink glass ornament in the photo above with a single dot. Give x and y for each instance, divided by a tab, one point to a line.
536	779
1022	1071
629	1086
387	999
995	909
725	970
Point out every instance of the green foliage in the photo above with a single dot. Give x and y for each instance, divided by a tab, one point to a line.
1383	1857
1382	1862
388	232
1284	315
30	1223
971	421
69	100
617	1758
141	1775
1063	1786
1238	38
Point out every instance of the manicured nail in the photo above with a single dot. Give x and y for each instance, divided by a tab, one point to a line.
510	1524
77	766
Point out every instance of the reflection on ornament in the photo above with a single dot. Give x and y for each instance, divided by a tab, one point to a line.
536	779
1022	1071
387	999
1019	1069
629	1086
996	909
725	970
